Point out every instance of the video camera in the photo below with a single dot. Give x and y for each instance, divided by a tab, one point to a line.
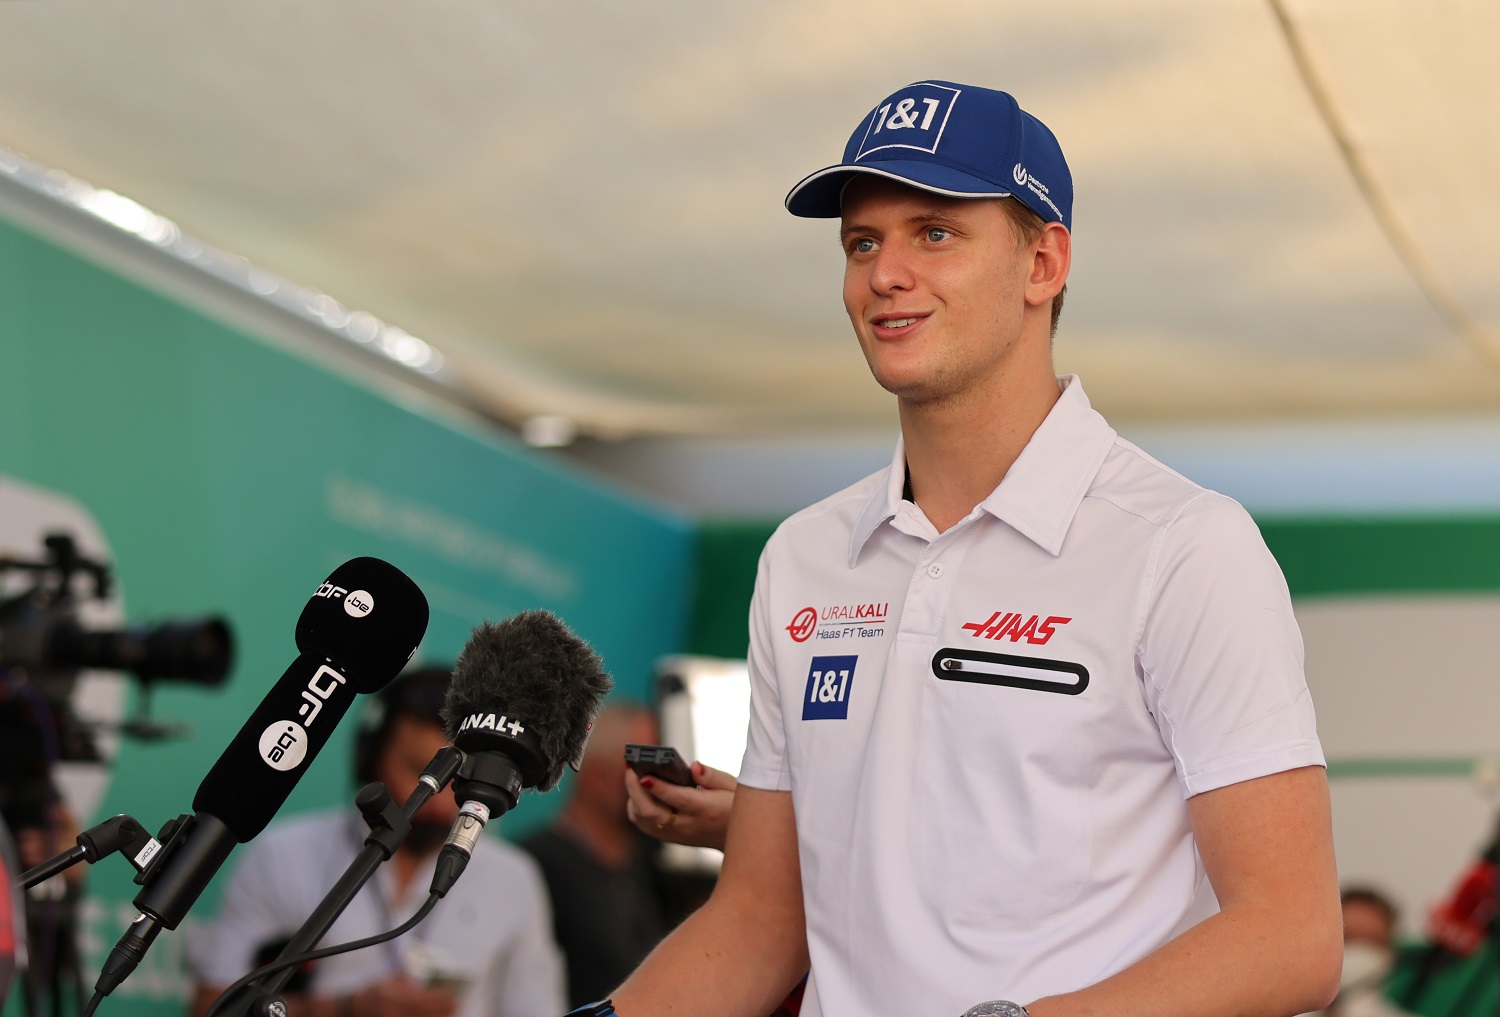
44	645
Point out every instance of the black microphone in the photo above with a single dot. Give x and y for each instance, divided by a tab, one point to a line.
356	633
520	704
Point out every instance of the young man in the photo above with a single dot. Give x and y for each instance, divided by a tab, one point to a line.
1026	701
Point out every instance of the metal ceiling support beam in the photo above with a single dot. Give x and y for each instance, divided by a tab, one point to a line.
1437	292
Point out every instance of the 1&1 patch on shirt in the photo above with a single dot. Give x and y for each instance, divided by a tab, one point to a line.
830	682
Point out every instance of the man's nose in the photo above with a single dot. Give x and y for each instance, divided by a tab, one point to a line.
892	270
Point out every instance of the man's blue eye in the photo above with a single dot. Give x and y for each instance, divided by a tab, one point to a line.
864	246
937	234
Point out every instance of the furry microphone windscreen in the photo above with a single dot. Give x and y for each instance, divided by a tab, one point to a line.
530	668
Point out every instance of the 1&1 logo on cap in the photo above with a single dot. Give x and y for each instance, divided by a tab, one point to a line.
912	118
830	681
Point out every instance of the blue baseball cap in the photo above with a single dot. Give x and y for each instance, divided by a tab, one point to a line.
958	140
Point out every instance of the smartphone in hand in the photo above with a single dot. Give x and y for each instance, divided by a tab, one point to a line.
660	761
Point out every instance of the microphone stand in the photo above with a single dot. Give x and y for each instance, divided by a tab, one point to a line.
119	833
124	835
389	825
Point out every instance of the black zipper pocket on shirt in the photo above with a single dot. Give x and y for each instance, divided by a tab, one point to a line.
1040	674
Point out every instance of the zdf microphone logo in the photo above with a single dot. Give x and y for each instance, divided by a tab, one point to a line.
358	604
283	745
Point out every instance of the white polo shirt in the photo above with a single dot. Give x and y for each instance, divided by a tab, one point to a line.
990	734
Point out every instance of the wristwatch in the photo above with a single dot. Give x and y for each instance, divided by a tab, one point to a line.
603	1008
997	1008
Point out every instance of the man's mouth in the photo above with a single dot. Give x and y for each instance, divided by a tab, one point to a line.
891	324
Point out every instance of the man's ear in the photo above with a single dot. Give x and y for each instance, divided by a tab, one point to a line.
1050	263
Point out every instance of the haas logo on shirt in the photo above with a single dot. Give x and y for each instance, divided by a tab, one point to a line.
1015	627
830	681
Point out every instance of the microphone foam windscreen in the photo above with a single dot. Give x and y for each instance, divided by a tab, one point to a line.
367	617
533	670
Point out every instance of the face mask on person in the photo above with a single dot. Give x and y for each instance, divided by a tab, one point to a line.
1365	966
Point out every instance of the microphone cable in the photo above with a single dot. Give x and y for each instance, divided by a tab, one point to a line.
220	1004
374	801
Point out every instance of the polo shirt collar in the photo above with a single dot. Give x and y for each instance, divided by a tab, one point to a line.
1041	491
881	508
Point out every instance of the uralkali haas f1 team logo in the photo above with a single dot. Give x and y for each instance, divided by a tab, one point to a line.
839	621
801	628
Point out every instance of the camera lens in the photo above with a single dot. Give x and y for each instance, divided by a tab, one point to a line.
198	651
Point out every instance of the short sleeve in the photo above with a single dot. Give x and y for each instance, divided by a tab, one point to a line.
1221	653
764	765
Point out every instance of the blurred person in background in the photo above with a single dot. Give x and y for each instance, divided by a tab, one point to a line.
608	909
1370	920
485	951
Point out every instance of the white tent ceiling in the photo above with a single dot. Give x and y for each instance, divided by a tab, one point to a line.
1284	208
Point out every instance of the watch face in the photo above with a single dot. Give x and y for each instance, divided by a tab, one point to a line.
997	1008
